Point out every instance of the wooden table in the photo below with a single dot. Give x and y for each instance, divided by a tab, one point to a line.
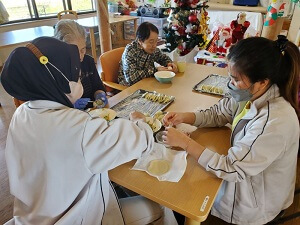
92	22
16	37
194	194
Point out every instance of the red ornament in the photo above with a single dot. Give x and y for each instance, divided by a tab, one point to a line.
181	30
193	18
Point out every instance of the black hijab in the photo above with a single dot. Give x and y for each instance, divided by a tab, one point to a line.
25	78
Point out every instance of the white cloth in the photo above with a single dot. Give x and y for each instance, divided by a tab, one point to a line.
57	159
177	160
225	17
175	57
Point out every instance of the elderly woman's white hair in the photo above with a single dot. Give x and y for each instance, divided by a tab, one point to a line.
68	31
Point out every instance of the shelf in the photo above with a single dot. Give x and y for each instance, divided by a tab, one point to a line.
229	7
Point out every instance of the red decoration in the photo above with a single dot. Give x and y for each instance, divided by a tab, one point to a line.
239	27
224	41
193	18
181	30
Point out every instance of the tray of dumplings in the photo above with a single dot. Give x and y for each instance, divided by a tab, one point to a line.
213	84
142	101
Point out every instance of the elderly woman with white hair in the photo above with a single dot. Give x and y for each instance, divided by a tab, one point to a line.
71	32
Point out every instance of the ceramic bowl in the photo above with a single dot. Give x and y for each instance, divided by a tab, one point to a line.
164	76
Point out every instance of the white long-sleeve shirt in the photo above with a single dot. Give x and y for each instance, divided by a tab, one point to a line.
58	158
259	171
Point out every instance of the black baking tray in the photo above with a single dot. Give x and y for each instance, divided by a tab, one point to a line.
213	84
135	102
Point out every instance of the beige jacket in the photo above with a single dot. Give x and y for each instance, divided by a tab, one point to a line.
58	158
259	170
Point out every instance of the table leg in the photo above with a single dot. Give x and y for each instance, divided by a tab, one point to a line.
189	221
93	44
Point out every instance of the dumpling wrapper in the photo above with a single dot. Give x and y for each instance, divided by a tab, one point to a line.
158	167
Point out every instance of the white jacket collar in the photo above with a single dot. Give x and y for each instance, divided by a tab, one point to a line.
271	93
45	104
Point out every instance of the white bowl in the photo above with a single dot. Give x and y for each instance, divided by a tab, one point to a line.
164	76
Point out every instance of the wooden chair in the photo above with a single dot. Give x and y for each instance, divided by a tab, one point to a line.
18	102
110	69
67	14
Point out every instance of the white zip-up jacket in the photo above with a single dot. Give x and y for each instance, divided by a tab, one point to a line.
259	170
58	158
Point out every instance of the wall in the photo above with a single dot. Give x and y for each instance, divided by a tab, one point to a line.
142	2
4	52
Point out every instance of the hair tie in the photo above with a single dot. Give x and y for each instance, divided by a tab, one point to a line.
281	43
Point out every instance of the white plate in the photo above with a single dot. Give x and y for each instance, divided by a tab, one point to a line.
155	124
107	114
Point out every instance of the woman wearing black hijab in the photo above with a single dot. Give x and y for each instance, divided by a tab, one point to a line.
58	156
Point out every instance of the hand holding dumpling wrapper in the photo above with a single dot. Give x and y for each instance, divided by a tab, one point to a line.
100	100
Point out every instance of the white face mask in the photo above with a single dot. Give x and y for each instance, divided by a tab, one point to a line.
75	87
76	91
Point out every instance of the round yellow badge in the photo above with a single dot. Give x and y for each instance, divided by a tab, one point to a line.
43	60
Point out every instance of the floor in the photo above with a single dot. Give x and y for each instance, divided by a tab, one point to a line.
7	109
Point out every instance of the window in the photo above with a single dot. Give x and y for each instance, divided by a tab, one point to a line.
49	7
24	10
83	5
17	10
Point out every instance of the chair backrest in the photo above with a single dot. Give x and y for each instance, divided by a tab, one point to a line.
110	65
67	14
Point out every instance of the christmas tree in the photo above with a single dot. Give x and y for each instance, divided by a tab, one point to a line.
187	26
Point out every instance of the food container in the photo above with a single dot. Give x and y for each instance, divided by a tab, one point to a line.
164	76
213	84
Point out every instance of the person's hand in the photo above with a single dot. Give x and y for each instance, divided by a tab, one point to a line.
81	103
134	116
101	98
174	137
172	119
173	67
162	68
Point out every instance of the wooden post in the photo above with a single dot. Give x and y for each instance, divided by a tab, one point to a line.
104	27
272	31
274	20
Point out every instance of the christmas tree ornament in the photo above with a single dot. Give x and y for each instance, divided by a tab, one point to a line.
187	26
170	17
193	18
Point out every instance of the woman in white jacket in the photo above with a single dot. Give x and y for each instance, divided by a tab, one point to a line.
259	170
58	156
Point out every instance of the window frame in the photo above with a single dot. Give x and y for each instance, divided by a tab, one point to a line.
32	9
